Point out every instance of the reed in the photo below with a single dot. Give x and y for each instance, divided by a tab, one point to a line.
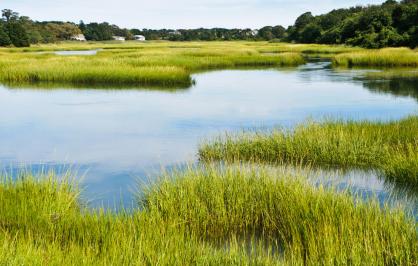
309	49
153	64
209	216
391	146
388	57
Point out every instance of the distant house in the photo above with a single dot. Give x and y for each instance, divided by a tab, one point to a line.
119	38
254	32
140	38
79	37
175	32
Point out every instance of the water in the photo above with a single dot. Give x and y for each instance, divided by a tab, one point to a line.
81	52
86	52
117	137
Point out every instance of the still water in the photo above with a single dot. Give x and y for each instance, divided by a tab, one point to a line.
115	137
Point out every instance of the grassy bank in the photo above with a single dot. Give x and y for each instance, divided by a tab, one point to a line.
171	64
153	64
391	147
388	57
210	217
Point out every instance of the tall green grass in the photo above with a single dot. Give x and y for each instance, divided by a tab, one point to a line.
391	146
205	217
164	64
43	223
388	57
309	49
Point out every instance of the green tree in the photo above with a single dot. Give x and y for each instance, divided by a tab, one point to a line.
279	32
266	33
303	20
14	27
4	37
310	34
98	31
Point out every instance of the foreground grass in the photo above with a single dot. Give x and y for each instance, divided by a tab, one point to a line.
162	64
391	147
232	216
388	57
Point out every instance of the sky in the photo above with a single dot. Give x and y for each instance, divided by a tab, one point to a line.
176	14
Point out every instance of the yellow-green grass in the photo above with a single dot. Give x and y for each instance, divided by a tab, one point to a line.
203	217
309	49
391	147
388	57
159	63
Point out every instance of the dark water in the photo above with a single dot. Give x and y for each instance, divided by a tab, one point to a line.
117	137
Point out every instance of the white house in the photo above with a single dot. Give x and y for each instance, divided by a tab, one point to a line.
139	38
79	37
119	38
175	32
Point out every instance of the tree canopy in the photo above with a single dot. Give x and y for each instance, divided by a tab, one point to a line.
390	24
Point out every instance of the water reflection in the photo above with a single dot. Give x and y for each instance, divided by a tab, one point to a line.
117	136
361	181
396	87
46	86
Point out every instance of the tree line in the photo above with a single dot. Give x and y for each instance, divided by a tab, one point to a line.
392	23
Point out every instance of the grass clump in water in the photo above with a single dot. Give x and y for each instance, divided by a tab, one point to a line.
388	57
388	146
207	216
402	167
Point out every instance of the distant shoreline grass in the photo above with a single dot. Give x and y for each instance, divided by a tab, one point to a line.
387	57
205	217
391	147
171	64
151	64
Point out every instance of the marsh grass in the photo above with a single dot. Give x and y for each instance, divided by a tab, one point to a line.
390	146
390	74
204	216
309	49
388	57
151	64
170	64
402	167
47	86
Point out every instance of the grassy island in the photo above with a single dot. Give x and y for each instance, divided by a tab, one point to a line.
151	64
391	147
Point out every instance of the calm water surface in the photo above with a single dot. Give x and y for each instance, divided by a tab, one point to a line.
117	137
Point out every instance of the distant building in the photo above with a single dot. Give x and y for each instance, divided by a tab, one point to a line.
175	32
79	37
254	32
140	38
119	38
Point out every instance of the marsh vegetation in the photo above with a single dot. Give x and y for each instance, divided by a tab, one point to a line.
158	64
212	214
388	57
165	64
203	216
391	146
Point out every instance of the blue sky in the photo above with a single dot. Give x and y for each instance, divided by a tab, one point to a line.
178	13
